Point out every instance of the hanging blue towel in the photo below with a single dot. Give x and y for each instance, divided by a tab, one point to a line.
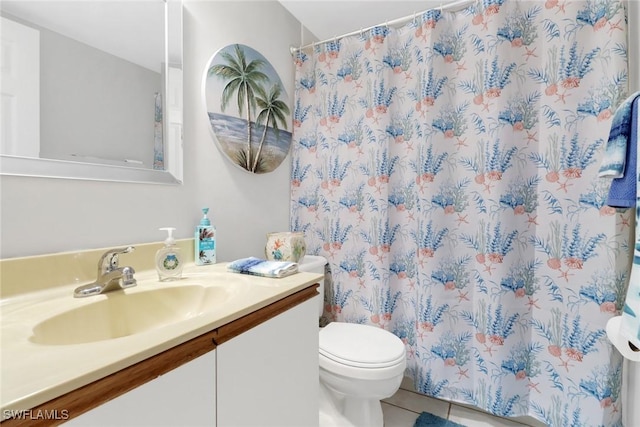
622	193
624	331
613	163
620	159
630	327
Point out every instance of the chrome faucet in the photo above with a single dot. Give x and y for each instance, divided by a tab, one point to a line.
111	277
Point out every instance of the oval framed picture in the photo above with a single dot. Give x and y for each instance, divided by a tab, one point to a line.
248	109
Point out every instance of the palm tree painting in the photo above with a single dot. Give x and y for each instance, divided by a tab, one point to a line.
240	85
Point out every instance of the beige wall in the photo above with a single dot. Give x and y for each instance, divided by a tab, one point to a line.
40	215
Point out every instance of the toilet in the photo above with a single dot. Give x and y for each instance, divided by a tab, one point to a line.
359	366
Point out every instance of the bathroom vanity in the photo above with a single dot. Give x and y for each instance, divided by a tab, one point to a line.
228	350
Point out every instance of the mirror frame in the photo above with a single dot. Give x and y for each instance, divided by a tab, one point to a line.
50	168
63	169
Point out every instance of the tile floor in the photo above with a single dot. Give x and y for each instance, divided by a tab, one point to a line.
402	409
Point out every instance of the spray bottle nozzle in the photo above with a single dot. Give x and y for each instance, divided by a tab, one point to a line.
205	221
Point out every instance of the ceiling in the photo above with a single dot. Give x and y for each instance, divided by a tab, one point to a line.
325	19
329	18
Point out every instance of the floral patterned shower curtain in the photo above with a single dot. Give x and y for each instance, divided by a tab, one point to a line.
447	171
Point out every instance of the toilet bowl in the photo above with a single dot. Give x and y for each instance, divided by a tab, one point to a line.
359	366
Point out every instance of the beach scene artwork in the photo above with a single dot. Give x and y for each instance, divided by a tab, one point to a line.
248	109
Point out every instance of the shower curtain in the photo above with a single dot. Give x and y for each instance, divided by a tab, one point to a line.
447	171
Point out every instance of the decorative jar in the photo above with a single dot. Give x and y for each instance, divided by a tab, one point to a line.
285	246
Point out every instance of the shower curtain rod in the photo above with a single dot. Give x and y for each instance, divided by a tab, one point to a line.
452	7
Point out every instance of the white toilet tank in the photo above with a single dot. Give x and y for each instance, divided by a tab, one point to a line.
315	264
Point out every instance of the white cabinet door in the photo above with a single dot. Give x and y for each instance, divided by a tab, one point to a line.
185	396
268	376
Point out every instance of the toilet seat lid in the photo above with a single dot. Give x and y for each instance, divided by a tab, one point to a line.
360	345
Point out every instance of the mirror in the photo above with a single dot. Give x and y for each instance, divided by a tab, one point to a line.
92	89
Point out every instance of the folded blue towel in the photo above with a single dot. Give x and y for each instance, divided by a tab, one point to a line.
622	193
262	267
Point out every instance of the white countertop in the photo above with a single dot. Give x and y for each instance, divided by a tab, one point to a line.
34	373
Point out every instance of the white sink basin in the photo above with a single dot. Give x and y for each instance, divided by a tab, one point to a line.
121	313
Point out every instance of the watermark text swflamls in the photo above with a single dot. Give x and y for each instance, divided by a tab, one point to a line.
36	414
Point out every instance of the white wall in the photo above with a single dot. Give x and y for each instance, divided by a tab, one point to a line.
39	215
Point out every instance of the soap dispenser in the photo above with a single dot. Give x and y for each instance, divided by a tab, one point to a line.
205	241
169	258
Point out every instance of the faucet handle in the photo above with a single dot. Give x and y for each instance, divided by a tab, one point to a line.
109	259
127	278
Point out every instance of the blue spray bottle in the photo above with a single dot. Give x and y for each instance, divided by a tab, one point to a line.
205	241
